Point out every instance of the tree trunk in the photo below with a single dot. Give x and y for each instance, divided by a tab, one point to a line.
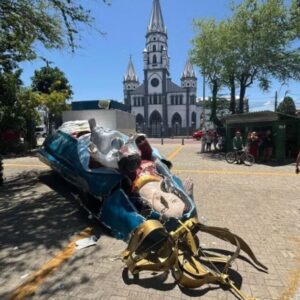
242	96
214	100
232	95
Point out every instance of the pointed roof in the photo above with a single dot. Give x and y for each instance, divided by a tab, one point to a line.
188	70
130	73
156	21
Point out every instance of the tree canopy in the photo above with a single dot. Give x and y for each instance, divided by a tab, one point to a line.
52	23
287	106
48	79
254	45
54	90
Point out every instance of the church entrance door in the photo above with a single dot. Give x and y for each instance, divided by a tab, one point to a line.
176	124
155	124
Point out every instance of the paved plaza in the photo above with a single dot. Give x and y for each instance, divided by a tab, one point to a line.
40	218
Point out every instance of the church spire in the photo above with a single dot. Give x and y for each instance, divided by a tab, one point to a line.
130	73
188	78
188	70
156	21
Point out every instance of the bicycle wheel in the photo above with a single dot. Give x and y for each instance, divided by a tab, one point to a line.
248	159
230	157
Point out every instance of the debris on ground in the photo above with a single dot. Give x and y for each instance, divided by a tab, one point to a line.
86	242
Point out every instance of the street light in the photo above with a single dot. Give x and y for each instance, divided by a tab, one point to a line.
161	129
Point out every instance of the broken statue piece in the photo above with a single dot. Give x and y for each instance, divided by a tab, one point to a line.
128	186
86	242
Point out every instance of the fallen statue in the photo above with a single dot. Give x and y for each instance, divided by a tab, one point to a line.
129	188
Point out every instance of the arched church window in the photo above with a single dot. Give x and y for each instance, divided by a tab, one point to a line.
194	117
154	99
154	59
180	99
161	48
154	48
192	99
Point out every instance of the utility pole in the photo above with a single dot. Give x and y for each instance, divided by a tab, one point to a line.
275	106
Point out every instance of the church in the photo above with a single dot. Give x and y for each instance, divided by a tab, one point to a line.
162	108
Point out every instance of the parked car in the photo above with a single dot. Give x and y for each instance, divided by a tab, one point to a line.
198	134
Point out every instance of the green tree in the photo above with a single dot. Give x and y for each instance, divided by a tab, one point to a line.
255	45
263	44
207	54
48	79
10	84
27	104
54	91
53	23
17	108
287	106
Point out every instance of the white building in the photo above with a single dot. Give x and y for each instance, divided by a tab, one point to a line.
161	107
221	112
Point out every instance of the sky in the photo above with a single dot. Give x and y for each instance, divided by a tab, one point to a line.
96	70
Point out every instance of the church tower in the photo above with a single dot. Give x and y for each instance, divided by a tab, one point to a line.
161	107
188	78
130	82
156	64
189	83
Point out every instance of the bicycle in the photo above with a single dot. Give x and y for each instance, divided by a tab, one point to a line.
240	155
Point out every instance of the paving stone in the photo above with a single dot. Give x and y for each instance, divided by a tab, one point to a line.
38	220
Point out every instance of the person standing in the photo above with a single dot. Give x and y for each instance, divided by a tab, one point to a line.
267	146
203	143
238	144
253	144
208	141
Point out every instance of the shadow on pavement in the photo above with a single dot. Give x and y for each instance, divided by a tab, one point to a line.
156	281
36	222
217	156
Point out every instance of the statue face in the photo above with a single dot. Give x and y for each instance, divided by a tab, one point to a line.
167	204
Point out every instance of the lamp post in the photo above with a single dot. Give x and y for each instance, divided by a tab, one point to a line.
144	127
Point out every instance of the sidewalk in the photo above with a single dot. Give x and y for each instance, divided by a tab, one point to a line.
39	217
